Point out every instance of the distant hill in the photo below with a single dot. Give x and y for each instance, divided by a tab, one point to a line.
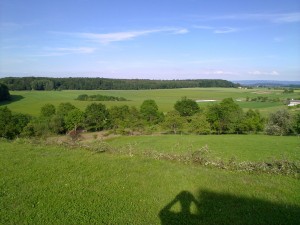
268	83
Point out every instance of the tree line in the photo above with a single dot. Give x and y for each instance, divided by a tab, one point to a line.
72	83
225	117
98	97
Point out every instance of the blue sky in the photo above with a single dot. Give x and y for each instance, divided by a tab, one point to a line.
157	39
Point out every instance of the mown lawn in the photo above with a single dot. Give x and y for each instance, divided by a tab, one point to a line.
31	101
57	185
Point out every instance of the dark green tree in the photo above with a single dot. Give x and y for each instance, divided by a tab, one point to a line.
296	123
20	121
57	124
119	117
96	117
64	108
199	124
225	117
38	127
149	112
4	92
215	116
173	121
5	121
186	107
253	121
74	119
11	125
135	122
47	110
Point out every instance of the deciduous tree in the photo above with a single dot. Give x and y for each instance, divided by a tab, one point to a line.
96	116
74	119
279	123
149	112
4	92
186	107
173	121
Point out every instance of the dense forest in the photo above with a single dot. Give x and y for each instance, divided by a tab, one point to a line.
49	83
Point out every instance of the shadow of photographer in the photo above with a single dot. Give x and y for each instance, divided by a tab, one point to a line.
224	208
185	215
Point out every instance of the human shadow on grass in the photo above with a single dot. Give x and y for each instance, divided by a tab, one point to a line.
218	208
13	98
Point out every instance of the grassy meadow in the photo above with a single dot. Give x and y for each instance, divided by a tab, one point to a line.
44	182
56	185
31	101
241	147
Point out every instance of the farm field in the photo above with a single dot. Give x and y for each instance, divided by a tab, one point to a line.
31	101
42	184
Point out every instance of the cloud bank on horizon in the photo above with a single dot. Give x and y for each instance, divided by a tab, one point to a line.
178	39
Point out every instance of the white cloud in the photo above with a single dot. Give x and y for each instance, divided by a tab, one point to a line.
291	17
181	31
217	30
80	50
115	37
258	72
225	30
286	18
66	51
216	72
106	38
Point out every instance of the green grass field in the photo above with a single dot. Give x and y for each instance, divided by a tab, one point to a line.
31	101
53	184
242	147
56	185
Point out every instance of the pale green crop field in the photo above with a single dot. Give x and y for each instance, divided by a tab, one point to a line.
30	102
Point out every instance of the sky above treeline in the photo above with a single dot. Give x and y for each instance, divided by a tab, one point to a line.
157	39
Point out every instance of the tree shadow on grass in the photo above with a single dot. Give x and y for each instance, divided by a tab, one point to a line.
13	98
218	208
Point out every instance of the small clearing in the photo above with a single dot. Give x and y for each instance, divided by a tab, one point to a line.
206	100
262	92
